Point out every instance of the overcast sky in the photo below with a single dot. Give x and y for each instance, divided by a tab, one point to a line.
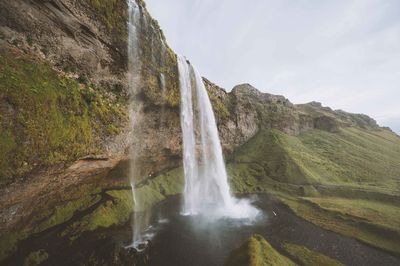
343	53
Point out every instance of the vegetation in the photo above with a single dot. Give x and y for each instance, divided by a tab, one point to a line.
8	242
65	212
352	158
309	257
99	209
382	214
346	182
47	216
157	61
113	14
36	258
369	233
219	108
256	251
47	119
117	209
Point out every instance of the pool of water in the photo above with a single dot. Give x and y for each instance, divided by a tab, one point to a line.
195	240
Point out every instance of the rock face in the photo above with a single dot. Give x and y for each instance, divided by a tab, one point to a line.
70	34
249	111
85	42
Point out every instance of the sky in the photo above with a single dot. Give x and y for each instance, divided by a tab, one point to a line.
343	53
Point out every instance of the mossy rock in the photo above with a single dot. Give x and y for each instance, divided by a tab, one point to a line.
114	16
309	257
47	119
36	258
118	207
256	251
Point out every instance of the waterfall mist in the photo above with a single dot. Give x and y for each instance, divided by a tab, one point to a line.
206	189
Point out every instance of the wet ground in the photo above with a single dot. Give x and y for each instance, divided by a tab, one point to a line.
184	240
189	241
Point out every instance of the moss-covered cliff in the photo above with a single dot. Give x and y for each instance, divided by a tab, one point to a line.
49	119
66	95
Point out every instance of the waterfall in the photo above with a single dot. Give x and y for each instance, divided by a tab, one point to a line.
140	217
190	167
206	189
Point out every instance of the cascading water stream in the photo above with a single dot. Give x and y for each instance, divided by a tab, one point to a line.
189	142
140	217
206	190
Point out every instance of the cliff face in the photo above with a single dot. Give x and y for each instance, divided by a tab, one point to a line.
53	50
245	111
63	71
77	37
84	44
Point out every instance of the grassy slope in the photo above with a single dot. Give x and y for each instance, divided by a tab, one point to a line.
112	209
352	158
47	119
256	251
379	213
347	182
309	257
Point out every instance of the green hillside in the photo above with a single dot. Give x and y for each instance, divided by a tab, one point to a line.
256	251
347	182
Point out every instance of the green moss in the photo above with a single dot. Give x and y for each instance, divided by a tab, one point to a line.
166	64
375	212
309	257
49	119
219	108
110	213
113	14
352	158
36	258
256	251
356	168
8	242
64	212
7	145
334	221
48	216
118	209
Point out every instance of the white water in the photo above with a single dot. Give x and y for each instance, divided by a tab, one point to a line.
140	224
206	190
190	166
